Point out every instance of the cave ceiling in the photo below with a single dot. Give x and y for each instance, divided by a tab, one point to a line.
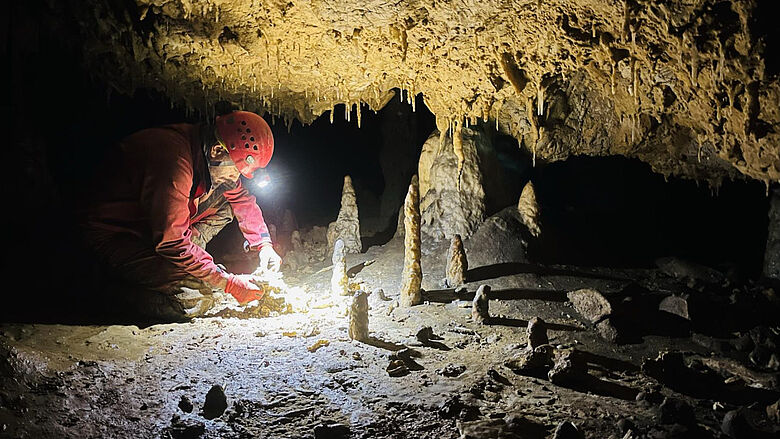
683	85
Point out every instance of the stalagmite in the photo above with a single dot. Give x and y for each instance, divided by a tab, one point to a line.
411	281
456	263
529	209
537	333
338	282
480	311
358	317
347	225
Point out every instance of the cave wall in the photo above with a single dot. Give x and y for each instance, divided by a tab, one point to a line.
689	87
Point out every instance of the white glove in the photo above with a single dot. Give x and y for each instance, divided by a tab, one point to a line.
269	260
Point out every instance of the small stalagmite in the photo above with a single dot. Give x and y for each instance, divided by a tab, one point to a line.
347	224
537	333
529	210
456	263
411	280
358	317
338	282
480	311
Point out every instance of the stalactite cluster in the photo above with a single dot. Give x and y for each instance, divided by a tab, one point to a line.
684	86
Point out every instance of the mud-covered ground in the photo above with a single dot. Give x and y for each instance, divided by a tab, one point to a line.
126	381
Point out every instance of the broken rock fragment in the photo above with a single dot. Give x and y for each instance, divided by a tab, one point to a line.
358	317
590	304
347	225
675	305
607	330
480	306
339	284
216	402
411	279
456	263
535	362
451	370
185	404
570	368
397	368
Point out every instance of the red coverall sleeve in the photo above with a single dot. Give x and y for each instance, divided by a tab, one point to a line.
249	216
165	196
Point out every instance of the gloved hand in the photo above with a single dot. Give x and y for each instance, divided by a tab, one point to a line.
269	260
243	289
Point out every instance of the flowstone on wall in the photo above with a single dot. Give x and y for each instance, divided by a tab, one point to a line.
689	87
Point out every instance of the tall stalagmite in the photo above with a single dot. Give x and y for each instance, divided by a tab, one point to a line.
456	263
529	210
411	280
347	225
358	317
338	282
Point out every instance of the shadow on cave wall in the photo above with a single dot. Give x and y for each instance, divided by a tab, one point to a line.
615	211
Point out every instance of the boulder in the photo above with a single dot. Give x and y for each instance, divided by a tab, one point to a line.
502	238
591	304
535	362
675	305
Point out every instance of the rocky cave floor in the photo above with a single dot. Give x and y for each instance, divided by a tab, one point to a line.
638	372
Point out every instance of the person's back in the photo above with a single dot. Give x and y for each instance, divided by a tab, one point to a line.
116	201
153	209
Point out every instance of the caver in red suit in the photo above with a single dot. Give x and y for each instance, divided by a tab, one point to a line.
164	193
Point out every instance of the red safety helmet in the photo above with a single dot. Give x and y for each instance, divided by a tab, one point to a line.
248	139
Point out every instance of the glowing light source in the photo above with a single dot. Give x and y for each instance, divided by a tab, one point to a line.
263	181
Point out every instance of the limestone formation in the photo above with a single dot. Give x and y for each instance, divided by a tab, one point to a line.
590	304
338	282
480	311
456	263
537	333
358	317
687	86
347	225
772	253
452	183
411	278
529	209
